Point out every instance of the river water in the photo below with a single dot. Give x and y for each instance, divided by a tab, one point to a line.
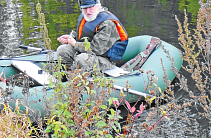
19	23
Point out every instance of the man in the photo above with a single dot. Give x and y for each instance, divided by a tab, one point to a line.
107	37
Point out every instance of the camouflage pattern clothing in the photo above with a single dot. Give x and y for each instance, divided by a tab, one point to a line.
103	40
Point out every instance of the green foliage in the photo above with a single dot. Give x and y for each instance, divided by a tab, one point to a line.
163	3
71	117
86	44
192	7
3	2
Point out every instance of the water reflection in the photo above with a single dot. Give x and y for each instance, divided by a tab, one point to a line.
9	27
19	21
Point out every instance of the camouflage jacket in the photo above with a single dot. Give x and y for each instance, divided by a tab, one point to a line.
102	41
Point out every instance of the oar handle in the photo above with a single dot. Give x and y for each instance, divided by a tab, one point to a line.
31	48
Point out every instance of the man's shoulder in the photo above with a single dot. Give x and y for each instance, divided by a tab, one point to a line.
107	23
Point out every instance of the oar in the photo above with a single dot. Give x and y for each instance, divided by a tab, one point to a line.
42	50
133	91
39	50
6	61
31	48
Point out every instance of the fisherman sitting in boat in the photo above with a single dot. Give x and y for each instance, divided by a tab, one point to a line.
108	38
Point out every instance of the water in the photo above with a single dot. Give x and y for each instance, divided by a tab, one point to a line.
19	21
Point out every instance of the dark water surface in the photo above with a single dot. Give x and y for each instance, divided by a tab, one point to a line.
19	20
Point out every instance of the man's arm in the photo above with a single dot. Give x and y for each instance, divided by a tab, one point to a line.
103	40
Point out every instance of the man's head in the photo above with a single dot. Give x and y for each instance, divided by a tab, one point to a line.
90	9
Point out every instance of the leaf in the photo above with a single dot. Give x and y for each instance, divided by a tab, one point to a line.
87	110
116	102
88	90
26	110
50	83
133	109
88	105
151	99
71	132
159	89
56	129
79	84
67	113
48	129
56	123
64	127
5	107
65	96
141	108
115	122
110	116
119	117
114	127
103	106
96	80
86	43
208	99
112	111
101	124
84	82
109	136
163	113
119	126
88	133
167	118
129	107
95	65
93	91
110	100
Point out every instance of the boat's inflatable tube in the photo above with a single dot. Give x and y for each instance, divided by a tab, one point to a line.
36	97
153	63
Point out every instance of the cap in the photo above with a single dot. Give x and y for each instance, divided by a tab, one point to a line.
88	3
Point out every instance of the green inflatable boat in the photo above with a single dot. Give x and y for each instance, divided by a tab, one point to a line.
136	79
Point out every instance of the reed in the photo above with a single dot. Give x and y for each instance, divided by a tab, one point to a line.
43	29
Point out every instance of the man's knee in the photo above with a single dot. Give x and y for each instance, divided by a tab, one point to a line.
81	60
85	60
60	50
65	51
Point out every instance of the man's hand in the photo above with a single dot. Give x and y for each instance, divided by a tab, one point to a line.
64	39
71	41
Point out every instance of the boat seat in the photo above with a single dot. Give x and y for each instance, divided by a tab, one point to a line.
136	45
